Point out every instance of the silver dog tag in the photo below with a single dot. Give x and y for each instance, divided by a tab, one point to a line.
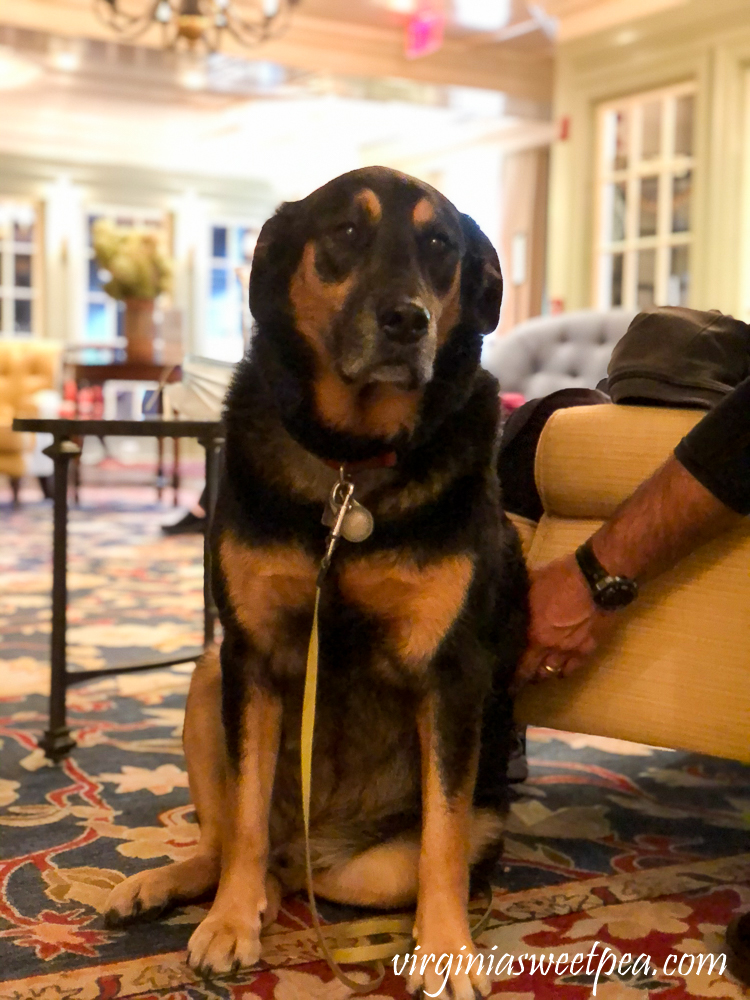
358	522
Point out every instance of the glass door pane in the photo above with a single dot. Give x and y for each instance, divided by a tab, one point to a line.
646	278
683	137
648	206
619	202
22	316
651	130
682	186
679	276
616	149
23	270
618	260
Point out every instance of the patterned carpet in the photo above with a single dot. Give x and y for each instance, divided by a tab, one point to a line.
645	851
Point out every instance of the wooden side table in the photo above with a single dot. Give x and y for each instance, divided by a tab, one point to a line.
134	371
57	741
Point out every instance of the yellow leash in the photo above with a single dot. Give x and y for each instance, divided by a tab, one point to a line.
397	925
333	956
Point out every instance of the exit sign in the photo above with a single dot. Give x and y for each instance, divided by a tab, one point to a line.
424	33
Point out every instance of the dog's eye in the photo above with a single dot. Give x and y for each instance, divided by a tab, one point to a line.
439	241
347	232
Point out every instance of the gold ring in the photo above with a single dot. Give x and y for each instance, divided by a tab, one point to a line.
554	671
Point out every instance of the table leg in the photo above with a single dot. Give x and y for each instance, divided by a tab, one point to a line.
76	475
160	468
213	447
57	741
176	471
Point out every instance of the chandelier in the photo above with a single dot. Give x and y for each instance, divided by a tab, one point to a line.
197	22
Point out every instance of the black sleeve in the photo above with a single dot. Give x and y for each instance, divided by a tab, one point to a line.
717	450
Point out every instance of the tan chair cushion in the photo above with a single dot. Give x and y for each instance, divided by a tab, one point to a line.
676	672
11	443
26	366
591	458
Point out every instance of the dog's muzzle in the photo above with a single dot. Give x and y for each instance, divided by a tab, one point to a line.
394	341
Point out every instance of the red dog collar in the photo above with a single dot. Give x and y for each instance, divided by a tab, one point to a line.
385	461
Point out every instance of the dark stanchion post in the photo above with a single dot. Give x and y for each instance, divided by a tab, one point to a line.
57	741
160	478
213	446
175	472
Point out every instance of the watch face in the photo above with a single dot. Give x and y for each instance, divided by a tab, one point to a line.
615	592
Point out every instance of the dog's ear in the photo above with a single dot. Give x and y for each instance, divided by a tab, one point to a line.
481	279
274	258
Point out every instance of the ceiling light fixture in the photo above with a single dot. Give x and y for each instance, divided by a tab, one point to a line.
482	15
66	60
16	72
198	23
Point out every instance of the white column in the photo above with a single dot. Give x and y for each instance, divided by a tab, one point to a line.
65	260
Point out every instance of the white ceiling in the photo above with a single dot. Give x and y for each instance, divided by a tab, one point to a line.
293	121
113	104
354	37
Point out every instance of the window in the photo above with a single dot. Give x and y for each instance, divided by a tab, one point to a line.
231	249
19	264
645	183
103	318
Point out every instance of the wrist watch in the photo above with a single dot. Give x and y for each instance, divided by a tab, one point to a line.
609	592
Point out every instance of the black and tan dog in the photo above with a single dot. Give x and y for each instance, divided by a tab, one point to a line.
370	298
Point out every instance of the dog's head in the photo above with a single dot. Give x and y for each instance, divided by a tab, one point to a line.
364	292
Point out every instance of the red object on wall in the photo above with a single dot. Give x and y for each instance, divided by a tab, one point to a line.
69	403
98	402
557	306
86	402
563	128
424	33
511	401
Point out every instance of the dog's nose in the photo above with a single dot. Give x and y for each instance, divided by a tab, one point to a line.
405	322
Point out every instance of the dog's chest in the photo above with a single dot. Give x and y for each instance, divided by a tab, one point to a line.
414	605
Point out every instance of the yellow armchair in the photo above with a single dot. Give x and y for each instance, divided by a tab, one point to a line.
26	367
676	672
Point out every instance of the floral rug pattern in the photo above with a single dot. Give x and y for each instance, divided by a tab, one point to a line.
645	851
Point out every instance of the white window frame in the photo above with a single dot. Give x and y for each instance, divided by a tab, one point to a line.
235	263
666	166
13	209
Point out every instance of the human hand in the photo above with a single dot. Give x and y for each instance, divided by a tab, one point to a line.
565	626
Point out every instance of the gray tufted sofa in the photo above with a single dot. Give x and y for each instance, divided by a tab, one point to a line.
548	353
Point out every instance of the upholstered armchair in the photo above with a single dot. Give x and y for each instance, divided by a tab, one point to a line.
675	672
548	353
26	367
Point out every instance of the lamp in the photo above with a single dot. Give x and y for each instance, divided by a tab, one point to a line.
198	22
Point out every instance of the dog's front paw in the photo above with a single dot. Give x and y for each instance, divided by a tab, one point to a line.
224	942
148	894
447	968
141	897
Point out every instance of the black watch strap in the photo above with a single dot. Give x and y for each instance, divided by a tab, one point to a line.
609	592
589	565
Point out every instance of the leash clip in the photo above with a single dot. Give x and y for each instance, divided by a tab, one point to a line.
345	517
339	501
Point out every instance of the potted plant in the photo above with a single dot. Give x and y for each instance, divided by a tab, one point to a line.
139	270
